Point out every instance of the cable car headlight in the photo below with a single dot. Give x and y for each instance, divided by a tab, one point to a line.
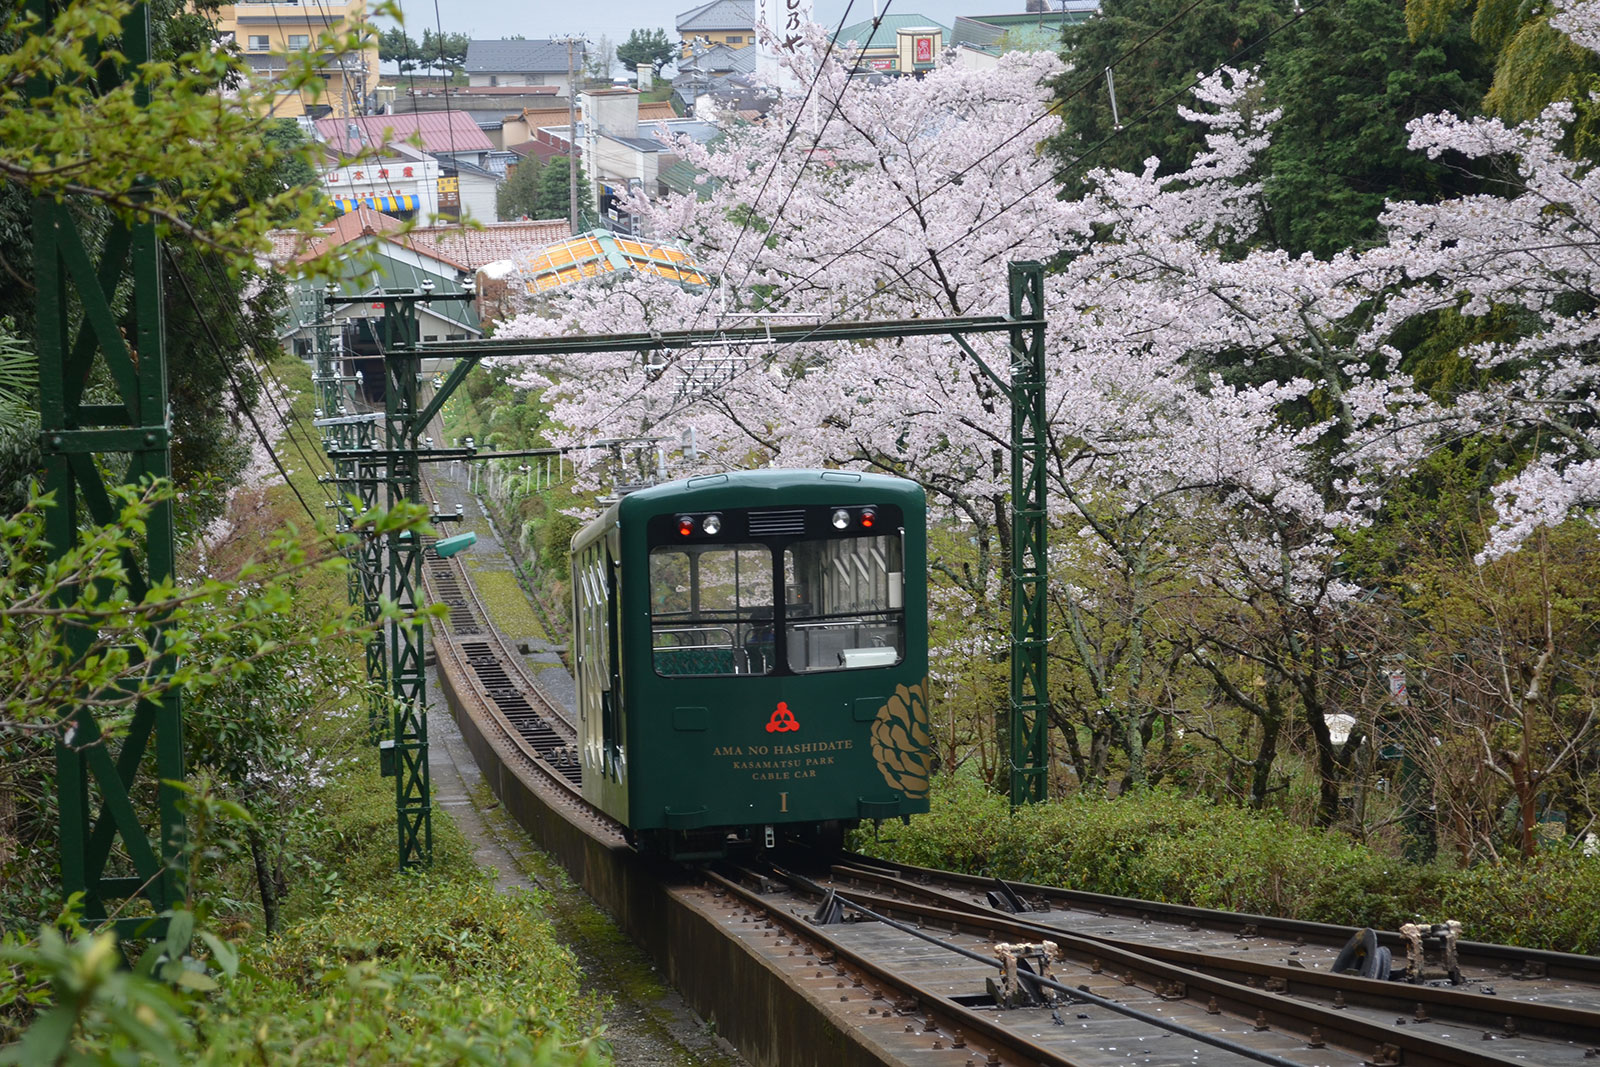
868	518
711	524
841	519
685	525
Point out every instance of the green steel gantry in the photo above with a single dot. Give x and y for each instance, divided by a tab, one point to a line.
402	356
98	780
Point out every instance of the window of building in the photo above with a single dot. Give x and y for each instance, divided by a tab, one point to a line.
299	41
734	38
260	43
494	79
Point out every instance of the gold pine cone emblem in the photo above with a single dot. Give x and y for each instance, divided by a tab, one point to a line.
901	741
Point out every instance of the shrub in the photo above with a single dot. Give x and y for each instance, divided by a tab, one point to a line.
1157	845
474	976
1551	902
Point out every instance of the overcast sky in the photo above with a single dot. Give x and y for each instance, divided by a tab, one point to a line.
614	18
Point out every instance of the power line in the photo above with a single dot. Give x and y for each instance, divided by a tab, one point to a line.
1053	177
261	366
794	125
238	391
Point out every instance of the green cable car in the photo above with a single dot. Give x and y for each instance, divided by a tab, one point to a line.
751	653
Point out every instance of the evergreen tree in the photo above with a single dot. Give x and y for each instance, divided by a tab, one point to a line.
1534	63
551	201
1348	79
396	46
1155	52
517	197
648	48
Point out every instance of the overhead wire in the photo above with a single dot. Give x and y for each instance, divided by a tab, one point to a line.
1054	176
260	365
238	391
794	125
949	180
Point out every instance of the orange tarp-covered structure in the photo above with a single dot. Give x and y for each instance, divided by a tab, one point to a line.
600	252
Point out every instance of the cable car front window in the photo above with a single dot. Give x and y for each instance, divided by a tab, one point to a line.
844	604
711	609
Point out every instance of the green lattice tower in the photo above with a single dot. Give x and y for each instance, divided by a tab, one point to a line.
102	784
1030	693
402	365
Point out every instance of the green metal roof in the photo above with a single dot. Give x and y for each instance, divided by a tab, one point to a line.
862	33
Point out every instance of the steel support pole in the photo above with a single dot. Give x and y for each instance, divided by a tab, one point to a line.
407	682
103	782
1030	693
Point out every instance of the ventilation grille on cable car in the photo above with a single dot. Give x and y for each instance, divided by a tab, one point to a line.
777	523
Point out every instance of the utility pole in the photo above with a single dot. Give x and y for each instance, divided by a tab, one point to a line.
572	132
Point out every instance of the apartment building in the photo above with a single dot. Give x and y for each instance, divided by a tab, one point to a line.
268	33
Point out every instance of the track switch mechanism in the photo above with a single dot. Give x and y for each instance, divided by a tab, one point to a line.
1020	966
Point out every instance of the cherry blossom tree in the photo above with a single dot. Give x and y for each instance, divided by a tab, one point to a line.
1222	413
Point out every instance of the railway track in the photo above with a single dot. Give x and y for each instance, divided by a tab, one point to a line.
863	961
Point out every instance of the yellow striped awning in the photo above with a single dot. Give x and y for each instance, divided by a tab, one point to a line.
386	204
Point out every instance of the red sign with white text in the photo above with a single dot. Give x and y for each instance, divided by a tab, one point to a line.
924	49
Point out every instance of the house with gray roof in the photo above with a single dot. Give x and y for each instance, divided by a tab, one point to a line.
725	22
497	63
709	69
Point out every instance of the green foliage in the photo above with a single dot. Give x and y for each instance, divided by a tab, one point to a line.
152	139
518	196
361	974
1537	66
1534	64
19	423
649	48
476	977
1551	902
1168	49
538	190
396	46
1349	79
98	1011
445	51
553	200
1158	846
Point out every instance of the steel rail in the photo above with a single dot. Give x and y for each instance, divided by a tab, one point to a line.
1167	977
1468	1008
452	658
957	1019
1502	960
1270	1009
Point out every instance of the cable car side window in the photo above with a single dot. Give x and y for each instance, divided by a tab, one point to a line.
711	609
844	604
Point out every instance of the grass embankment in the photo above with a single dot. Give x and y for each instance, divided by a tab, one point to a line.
1159	846
371	965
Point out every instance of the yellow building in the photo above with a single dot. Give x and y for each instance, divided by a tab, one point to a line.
267	33
729	22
